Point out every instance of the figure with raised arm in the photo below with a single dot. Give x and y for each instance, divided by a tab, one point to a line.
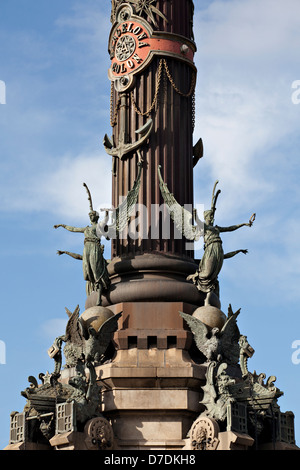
94	265
93	262
206	276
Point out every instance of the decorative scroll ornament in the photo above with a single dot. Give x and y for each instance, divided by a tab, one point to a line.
133	43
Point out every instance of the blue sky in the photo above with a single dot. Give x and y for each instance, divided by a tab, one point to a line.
54	64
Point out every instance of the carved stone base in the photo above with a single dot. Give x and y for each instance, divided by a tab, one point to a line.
152	389
97	435
230	440
69	441
205	435
27	446
152	398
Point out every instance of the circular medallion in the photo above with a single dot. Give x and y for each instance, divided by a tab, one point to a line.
133	43
99	434
204	434
125	47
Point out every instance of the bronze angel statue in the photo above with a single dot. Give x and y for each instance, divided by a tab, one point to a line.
215	344
206	276
94	264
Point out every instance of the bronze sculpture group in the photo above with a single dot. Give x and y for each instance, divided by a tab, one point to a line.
205	278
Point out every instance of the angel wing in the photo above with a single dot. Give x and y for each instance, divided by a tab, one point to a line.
182	218
123	212
230	335
199	330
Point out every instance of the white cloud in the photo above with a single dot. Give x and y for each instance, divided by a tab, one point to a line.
61	191
246	63
89	26
245	29
44	160
53	328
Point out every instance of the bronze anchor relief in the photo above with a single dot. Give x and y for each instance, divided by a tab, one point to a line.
123	147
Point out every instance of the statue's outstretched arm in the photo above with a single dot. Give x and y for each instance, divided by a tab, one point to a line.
73	255
232	228
70	228
231	254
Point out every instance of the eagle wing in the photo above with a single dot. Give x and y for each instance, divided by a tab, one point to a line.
106	331
199	330
73	328
229	337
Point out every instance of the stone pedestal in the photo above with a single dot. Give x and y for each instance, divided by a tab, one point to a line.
69	441
27	446
152	325
151	397
229	440
151	389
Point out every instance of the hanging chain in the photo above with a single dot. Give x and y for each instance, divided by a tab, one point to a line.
113	113
158	82
193	111
193	84
163	66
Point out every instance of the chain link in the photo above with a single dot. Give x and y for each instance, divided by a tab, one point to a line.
193	111
193	83
163	66
113	113
135	106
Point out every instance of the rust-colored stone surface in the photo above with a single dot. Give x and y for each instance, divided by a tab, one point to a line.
147	325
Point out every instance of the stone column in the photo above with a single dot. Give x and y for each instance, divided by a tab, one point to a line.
153	79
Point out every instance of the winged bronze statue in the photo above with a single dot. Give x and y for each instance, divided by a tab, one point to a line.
97	342
210	265
82	345
215	344
94	264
